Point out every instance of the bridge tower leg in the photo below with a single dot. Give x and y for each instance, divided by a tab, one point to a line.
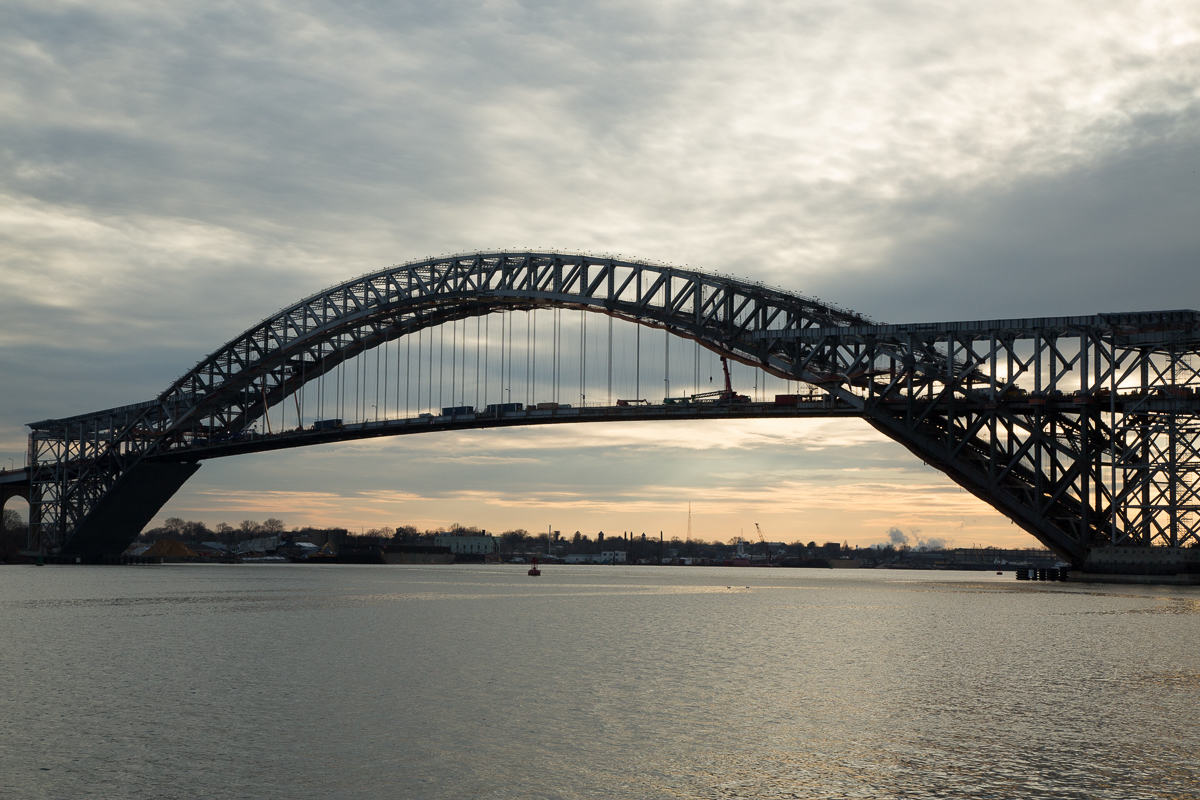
101	513
119	516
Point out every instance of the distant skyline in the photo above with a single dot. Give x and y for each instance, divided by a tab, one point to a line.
171	174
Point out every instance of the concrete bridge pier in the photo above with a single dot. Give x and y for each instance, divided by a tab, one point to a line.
14	484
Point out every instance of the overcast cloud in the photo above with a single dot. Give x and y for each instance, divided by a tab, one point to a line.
171	173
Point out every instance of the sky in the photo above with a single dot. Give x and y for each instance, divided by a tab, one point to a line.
171	173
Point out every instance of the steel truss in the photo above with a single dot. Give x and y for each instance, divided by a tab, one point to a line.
1082	430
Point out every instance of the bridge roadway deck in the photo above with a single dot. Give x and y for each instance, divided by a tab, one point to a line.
257	443
431	423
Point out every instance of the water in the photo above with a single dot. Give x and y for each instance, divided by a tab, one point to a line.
296	681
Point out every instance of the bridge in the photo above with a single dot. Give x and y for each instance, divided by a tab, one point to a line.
1081	430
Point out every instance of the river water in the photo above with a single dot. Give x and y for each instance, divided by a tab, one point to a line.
289	681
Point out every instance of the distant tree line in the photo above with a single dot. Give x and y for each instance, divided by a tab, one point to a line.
183	530
638	546
515	542
511	543
12	535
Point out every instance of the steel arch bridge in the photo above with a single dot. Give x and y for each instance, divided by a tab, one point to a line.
1082	430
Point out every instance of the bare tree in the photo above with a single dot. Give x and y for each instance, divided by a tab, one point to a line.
406	532
196	531
514	541
226	533
12	534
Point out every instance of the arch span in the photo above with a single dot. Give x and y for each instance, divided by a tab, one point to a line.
14	483
305	341
985	402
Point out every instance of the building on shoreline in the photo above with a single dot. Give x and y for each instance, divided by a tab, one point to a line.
482	544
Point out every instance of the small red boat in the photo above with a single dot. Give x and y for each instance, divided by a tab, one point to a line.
533	570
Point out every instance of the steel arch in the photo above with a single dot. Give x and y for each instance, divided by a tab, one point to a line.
339	323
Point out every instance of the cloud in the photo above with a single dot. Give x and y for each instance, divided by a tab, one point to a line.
934	543
606	490
774	138
1116	234
899	538
809	434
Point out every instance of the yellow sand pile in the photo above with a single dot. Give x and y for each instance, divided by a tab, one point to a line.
169	548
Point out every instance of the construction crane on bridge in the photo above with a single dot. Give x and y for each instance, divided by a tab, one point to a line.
726	395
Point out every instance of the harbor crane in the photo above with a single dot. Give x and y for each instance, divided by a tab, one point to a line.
763	539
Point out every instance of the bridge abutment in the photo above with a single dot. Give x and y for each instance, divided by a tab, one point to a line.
122	513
